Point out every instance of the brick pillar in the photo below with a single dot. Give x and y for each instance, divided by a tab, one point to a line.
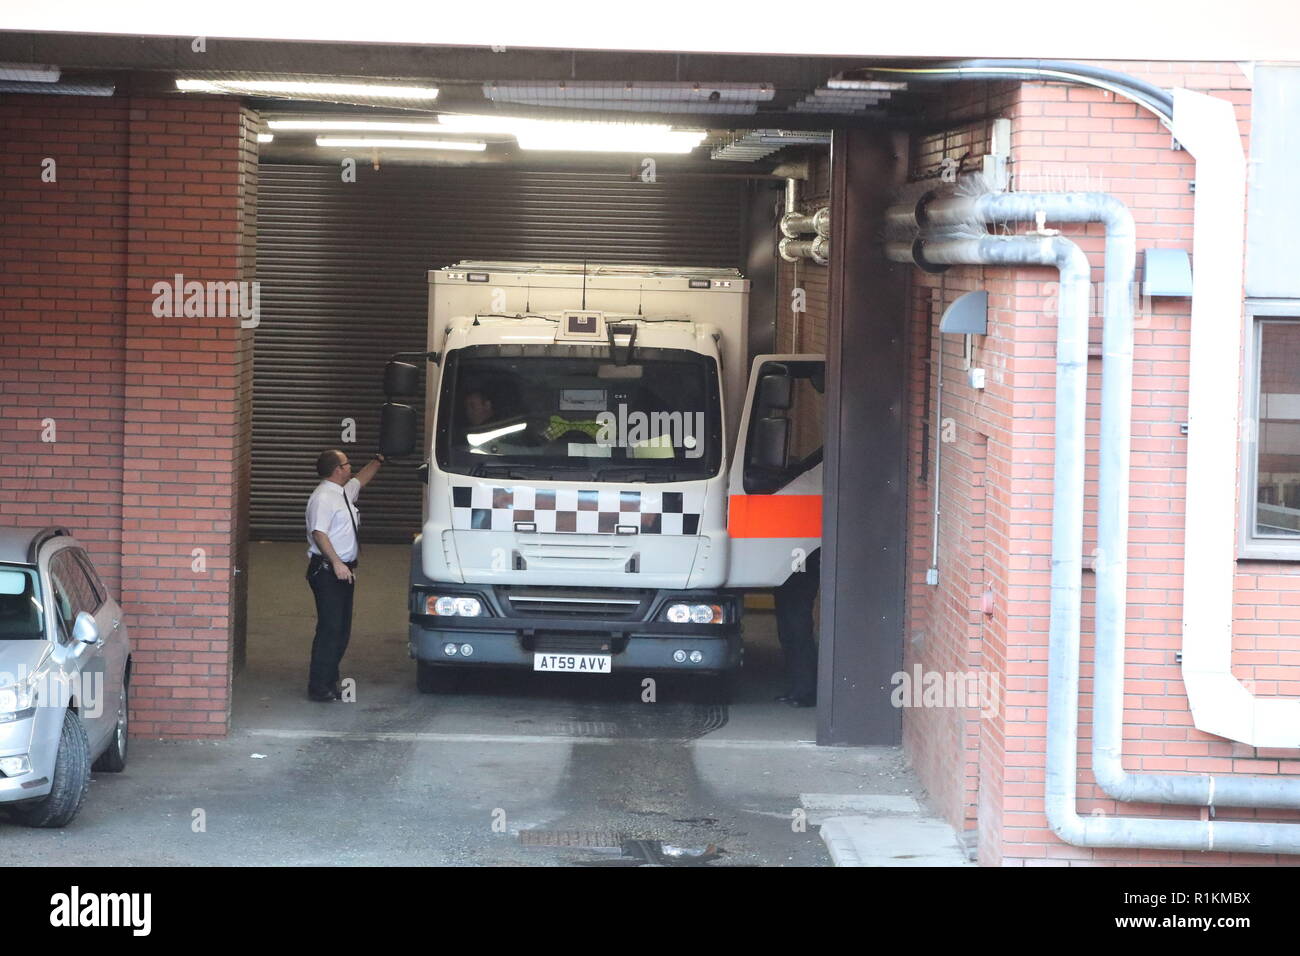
185	419
62	248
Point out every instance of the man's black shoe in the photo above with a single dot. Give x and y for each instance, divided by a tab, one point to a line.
320	695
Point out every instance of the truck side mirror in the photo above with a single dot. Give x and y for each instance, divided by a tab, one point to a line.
771	440
396	430
774	391
401	379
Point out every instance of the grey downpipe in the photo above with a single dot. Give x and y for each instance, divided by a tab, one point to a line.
932	573
1113	504
1067	565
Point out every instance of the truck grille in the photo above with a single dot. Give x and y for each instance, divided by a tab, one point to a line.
572	603
551	552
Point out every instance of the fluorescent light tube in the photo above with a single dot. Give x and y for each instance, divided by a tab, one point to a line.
600	141
357	126
379	142
580	136
308	88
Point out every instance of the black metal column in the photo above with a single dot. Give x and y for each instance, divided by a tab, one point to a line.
865	510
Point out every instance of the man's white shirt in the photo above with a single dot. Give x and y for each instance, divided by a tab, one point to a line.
328	512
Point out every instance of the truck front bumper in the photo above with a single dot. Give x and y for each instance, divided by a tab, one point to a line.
645	644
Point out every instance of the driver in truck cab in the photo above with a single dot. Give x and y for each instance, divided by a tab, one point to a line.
478	408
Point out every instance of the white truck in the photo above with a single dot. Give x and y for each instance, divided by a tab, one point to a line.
604	479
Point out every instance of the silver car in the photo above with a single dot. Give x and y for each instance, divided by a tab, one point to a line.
65	663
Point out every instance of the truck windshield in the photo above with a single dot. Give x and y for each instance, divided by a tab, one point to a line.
570	412
21	617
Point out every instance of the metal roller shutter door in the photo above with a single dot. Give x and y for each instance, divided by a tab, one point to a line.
343	266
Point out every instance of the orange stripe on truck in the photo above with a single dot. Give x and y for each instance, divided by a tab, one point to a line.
775	516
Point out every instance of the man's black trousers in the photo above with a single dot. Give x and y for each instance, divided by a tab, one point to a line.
794	602
333	625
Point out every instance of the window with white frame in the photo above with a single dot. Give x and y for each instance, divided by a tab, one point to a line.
1270	489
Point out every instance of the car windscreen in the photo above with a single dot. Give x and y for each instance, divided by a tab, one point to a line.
21	616
574	412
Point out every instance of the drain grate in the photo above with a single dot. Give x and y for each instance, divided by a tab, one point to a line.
591	839
666	721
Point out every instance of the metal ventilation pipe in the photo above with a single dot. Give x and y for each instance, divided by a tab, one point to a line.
818	249
795	225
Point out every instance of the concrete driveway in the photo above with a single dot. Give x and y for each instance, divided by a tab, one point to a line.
516	769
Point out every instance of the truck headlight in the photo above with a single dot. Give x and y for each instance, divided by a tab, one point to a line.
703	613
448	606
695	614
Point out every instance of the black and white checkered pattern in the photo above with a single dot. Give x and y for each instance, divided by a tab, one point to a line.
574	510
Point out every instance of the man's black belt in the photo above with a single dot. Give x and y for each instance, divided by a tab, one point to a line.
318	559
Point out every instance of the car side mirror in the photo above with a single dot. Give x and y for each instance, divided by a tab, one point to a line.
771	440
396	430
84	629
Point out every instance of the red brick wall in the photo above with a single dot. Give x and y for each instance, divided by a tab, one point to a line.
999	540
147	466
959	755
63	248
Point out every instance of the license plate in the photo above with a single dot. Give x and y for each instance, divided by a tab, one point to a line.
572	663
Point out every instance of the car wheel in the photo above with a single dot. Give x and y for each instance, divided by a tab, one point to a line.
113	760
435	680
71	780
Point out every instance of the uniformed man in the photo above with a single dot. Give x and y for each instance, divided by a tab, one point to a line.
332	522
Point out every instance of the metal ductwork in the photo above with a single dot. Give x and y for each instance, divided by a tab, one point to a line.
795	225
818	249
755	144
61	88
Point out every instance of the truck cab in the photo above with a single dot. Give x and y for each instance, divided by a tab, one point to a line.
581	469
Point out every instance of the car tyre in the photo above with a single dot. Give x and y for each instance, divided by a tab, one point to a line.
435	680
113	760
71	780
